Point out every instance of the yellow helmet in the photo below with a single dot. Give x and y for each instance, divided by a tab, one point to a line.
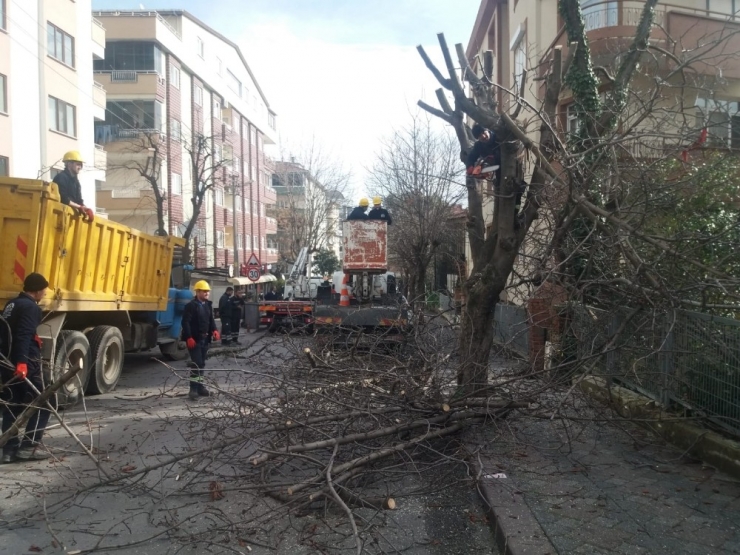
377	201
73	156
364	202
202	285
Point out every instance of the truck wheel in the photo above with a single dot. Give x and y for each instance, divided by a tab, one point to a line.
106	354
73	351
175	350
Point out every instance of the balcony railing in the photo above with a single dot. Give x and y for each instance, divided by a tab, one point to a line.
124	76
108	133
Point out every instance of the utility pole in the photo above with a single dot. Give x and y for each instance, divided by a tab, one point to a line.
235	233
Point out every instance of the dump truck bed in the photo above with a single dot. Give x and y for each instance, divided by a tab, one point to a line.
365	245
91	266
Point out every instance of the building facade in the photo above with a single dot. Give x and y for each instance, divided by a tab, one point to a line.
48	99
183	104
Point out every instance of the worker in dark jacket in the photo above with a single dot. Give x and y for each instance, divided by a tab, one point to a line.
237	308
359	213
378	212
70	189
198	327
23	316
486	149
225	311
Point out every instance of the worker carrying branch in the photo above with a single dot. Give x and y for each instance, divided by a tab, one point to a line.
485	156
69	184
378	212
359	212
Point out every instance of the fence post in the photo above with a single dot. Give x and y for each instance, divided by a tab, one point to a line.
667	358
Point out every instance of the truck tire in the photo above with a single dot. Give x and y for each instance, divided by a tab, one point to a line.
73	350
106	356
175	350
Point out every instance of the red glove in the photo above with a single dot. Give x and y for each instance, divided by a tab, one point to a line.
21	370
190	343
216	336
470	170
38	341
89	214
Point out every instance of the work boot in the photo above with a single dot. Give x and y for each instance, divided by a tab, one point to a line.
35	452
10	454
193	393
203	391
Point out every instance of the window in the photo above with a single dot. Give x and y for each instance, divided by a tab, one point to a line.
721	119
216	109
245	168
175	76
200	47
571	124
134	114
4	166
238	202
598	14
233	83
217	154
60	45
252	136
247	244
255	242
237	164
520	59
262	209
62	117
220	235
239	242
132	56
198	95
175	130
219	197
3	93
176	184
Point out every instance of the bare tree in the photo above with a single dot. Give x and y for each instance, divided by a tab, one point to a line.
308	182
579	182
145	156
415	172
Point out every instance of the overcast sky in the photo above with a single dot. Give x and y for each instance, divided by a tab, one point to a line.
344	71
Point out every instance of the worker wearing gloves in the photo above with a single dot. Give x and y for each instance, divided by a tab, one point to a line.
486	147
70	189
378	212
23	316
359	212
198	327
225	311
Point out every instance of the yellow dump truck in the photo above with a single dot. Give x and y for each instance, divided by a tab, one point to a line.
110	286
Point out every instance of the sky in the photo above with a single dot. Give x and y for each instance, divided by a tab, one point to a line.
344	73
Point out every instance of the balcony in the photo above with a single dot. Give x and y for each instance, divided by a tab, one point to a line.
105	133
129	82
99	101
271	225
98	40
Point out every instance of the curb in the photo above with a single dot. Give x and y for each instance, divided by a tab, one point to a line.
514	526
708	446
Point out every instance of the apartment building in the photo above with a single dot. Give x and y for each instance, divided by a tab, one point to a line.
175	85
48	99
522	33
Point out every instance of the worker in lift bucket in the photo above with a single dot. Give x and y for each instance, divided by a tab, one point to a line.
378	212
359	213
70	189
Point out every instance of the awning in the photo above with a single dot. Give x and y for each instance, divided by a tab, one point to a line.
246	281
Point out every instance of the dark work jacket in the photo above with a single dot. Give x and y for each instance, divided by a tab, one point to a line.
358	213
483	149
271	296
224	307
379	214
24	316
69	187
236	308
197	320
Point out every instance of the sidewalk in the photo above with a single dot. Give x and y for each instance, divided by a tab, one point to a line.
587	487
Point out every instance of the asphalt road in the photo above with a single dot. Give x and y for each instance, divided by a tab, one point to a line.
51	506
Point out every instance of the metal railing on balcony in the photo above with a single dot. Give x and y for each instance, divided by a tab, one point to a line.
107	133
124	76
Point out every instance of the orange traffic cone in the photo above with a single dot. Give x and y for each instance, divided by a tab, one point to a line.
344	295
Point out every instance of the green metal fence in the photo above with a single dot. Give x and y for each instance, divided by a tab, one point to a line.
687	358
